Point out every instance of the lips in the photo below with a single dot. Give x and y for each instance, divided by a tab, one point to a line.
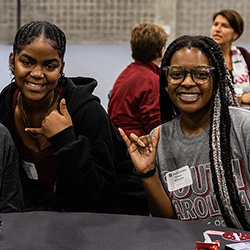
189	96
35	85
216	37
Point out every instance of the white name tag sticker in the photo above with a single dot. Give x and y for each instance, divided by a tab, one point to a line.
30	170
179	178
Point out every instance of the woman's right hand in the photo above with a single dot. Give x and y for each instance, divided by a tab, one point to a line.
54	122
142	150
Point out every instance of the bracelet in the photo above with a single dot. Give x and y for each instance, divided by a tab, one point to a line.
145	175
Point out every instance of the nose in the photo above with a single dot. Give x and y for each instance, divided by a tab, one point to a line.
217	28
188	81
37	72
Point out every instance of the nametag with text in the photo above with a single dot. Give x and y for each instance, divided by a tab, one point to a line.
179	178
30	170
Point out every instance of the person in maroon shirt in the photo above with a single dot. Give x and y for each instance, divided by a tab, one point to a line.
134	100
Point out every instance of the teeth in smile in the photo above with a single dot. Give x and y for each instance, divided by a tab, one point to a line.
189	96
35	85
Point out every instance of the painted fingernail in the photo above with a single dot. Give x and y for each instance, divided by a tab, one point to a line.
141	143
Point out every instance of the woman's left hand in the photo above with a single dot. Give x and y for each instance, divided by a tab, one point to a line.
54	122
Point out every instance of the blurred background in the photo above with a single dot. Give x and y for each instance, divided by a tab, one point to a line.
98	31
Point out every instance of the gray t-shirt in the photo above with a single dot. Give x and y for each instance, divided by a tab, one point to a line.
175	150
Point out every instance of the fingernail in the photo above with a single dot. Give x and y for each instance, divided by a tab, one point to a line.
141	143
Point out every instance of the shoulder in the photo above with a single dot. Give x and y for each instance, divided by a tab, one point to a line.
6	96
79	92
6	139
242	49
167	127
83	84
8	91
82	104
239	116
244	52
3	130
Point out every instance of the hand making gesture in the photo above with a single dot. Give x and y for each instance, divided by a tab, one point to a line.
142	150
54	122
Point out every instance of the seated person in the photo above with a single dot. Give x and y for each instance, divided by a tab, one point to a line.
69	148
196	166
134	99
228	26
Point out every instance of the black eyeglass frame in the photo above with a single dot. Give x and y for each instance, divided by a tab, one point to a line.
186	71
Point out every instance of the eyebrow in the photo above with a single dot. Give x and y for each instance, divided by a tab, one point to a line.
31	58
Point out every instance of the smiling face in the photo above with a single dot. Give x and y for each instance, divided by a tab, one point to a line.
37	69
222	32
188	96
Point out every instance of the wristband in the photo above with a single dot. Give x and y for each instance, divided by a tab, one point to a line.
145	175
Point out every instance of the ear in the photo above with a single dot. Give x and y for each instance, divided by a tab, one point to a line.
12	62
235	36
62	67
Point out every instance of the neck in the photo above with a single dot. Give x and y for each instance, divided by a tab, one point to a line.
157	61
33	113
193	124
42	105
226	49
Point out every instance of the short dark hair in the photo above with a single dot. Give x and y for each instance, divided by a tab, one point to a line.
30	31
234	18
147	41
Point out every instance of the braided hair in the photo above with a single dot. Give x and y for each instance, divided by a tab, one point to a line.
36	29
220	124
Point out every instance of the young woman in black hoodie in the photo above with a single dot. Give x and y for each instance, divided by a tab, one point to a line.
68	146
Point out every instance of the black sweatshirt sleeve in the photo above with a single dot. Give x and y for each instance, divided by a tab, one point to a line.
84	161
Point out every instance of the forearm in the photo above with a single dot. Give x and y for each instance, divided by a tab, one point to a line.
159	202
246	98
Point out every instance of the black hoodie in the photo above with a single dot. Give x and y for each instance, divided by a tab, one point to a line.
89	157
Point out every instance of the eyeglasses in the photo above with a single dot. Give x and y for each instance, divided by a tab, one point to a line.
199	74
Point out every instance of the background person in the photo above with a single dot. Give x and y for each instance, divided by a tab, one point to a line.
134	99
201	151
65	138
228	26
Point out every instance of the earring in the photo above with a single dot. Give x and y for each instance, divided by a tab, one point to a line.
12	68
62	79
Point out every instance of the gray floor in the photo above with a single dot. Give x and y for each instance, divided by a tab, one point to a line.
102	62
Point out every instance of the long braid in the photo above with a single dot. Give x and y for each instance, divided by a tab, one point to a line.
220	139
227	99
220	125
